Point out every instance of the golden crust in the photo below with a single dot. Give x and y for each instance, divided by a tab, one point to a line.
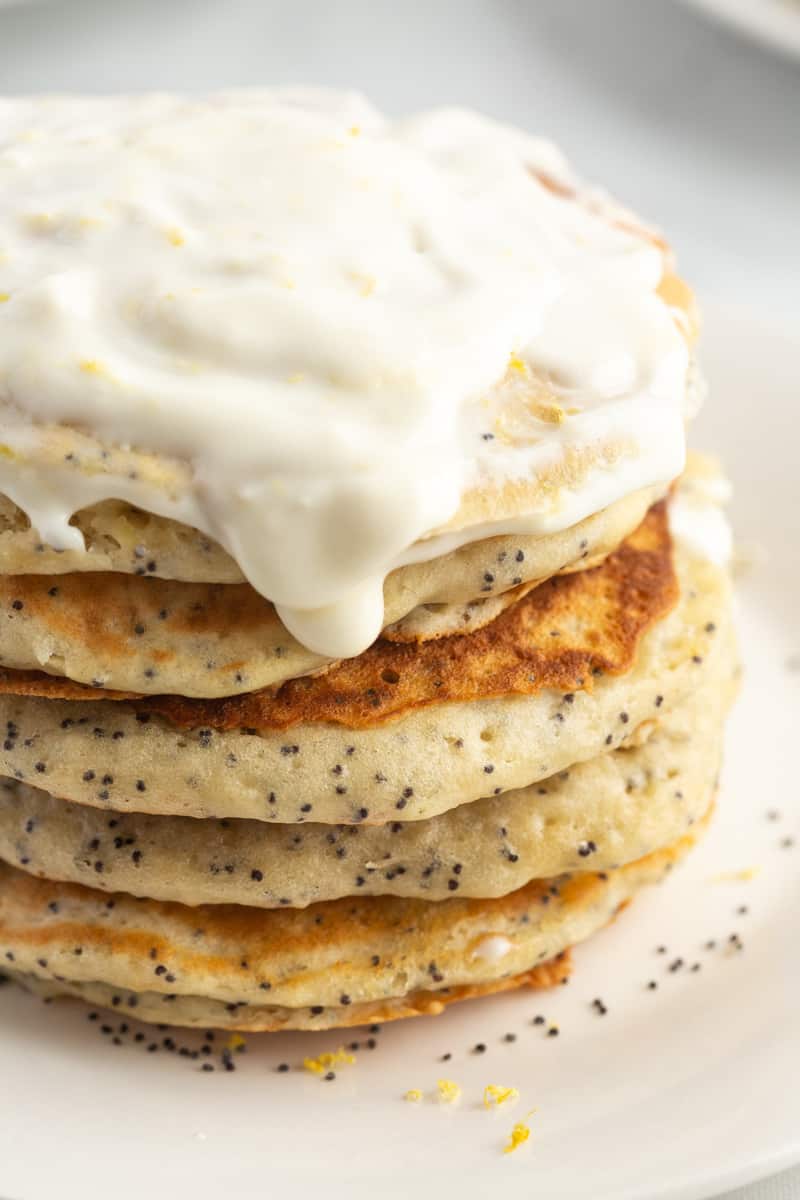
557	636
431	1004
250	1019
145	633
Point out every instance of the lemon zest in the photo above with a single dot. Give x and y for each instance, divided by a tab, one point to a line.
39	222
235	1041
494	1095
318	1066
449	1092
552	414
366	284
175	237
743	876
413	1095
5	297
518	1136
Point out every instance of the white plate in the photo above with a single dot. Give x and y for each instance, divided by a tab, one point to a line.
676	1093
774	23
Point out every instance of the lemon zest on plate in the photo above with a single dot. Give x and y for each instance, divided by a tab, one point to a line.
324	1062
518	1136
449	1092
494	1095
742	876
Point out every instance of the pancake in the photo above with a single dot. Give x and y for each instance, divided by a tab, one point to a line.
577	625
194	1011
598	815
153	635
337	963
125	755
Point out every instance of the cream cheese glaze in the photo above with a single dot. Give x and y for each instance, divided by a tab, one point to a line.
697	516
338	326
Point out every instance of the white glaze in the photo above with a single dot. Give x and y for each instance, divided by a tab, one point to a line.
314	308
697	518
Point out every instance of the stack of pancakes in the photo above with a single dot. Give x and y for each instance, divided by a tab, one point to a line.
443	816
220	804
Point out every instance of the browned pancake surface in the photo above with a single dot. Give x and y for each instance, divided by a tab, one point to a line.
558	636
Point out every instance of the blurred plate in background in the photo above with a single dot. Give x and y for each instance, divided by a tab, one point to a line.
774	23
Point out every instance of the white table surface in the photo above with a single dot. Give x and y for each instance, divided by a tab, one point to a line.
692	126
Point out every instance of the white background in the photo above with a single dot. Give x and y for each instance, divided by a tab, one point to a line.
693	127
